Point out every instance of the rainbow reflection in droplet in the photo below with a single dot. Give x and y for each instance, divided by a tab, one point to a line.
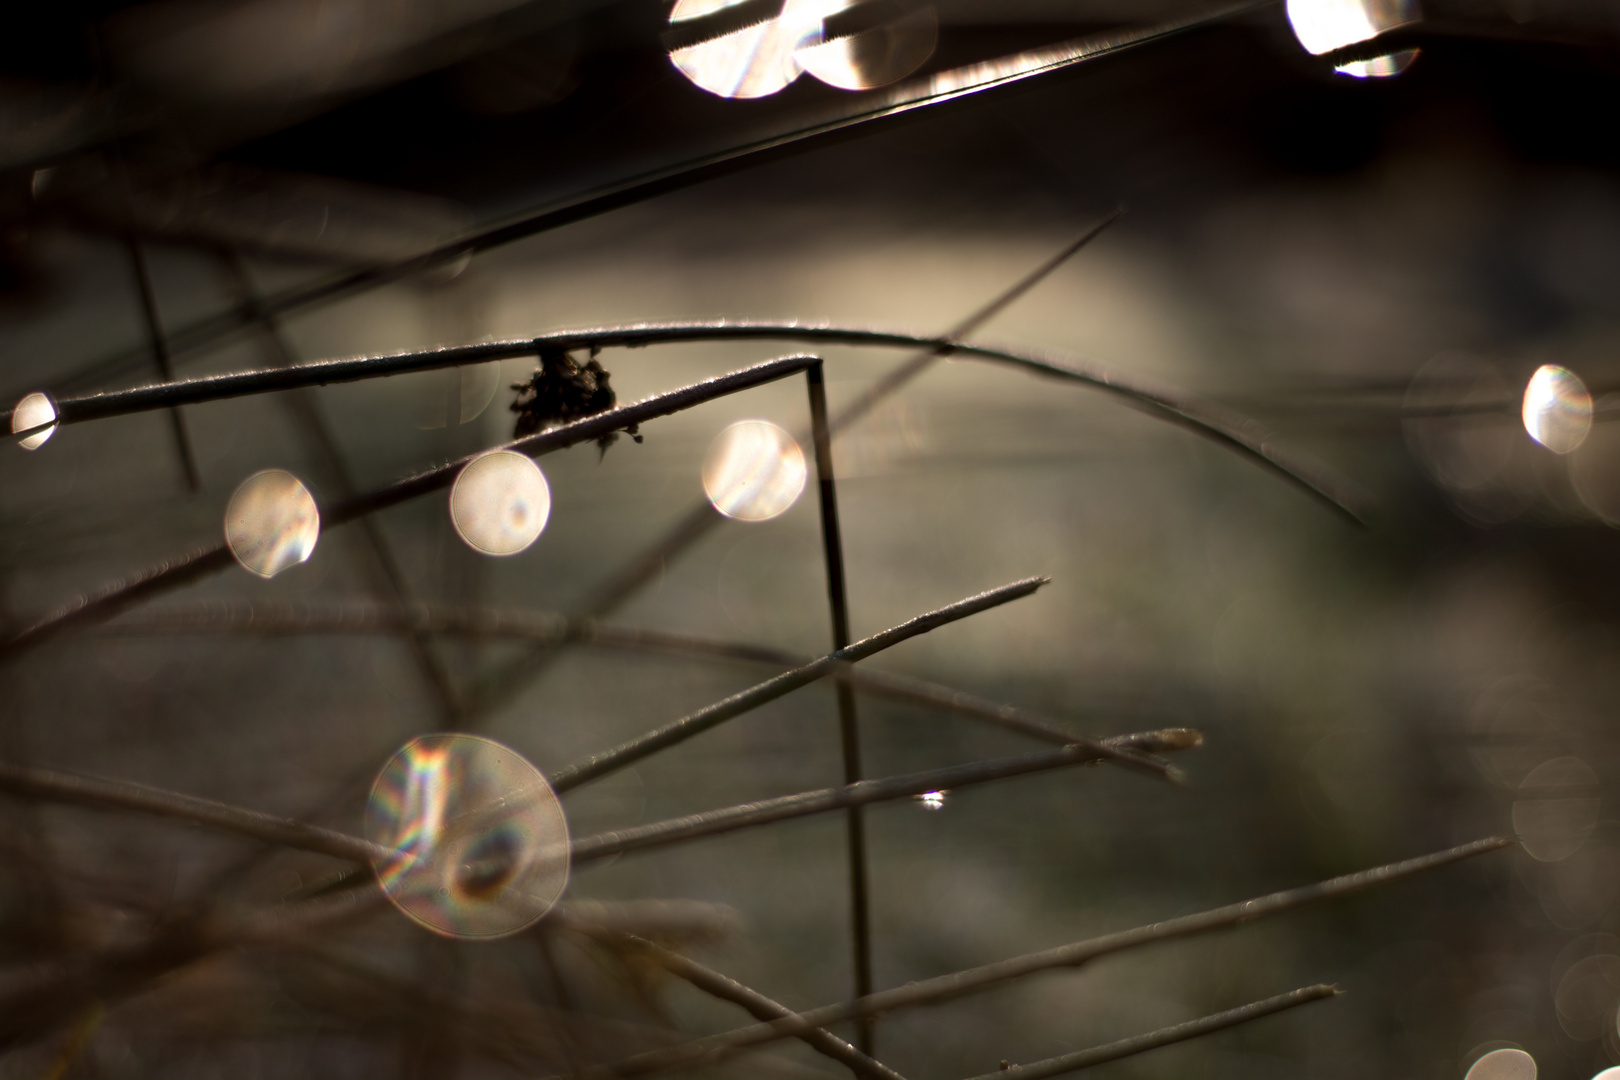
1379	67
1325	25
271	522
931	800
1557	409
754	471
32	411
480	840
1505	1064
500	502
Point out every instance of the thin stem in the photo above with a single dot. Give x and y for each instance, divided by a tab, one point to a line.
925	92
849	733
1220	424
678	731
863	793
725	988
944	987
205	561
1152	1040
160	354
274	618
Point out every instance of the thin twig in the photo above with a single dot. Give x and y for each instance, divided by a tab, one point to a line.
726	988
274	618
864	793
205	561
1152	1040
945	987
678	731
849	734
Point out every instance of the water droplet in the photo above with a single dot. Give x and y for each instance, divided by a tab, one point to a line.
500	503
1379	67
931	800
271	522
870	57
1557	409
32	411
480	839
1503	1065
1325	25
754	471
1557	808
747	62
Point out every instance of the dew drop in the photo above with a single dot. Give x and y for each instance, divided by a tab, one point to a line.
1557	409
931	800
500	503
32	411
271	522
754	471
480	840
1325	25
1379	67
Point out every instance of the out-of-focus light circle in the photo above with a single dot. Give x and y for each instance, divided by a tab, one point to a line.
1325	25
271	522
872	57
1557	808
1611	1073
32	411
751	62
480	841
500	502
1379	67
1503	1065
1586	997
754	471
1557	409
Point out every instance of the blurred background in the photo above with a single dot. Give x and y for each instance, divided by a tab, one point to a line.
1371	264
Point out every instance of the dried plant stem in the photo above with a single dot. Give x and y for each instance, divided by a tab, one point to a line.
726	988
205	561
274	618
678	731
1152	1040
927	991
863	793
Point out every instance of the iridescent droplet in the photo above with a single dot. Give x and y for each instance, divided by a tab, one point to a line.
480	840
1379	67
931	800
750	62
1503	1064
272	522
754	471
500	502
32	411
1325	25
1557	409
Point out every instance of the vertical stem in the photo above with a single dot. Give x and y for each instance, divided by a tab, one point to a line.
160	353
848	727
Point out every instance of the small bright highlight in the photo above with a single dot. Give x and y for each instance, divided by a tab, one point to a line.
271	522
754	471
1557	409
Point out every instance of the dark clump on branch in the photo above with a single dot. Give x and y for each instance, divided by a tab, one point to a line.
563	389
